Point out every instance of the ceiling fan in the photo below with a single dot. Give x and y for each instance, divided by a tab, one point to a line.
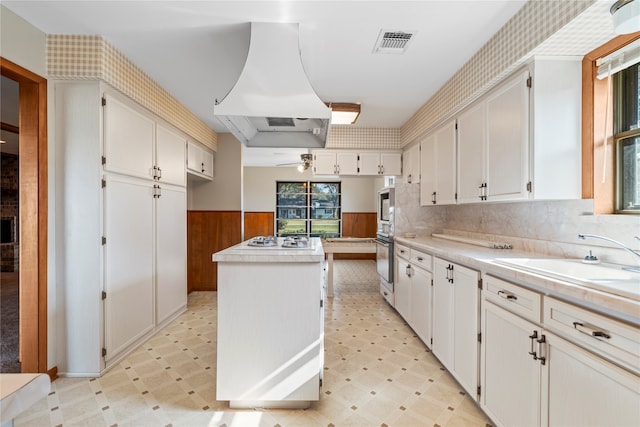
304	164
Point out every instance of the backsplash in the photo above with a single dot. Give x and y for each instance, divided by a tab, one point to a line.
544	227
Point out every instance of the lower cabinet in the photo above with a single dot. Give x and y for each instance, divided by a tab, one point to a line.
412	291
533	377
456	321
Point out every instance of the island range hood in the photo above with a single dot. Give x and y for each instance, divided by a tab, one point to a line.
273	104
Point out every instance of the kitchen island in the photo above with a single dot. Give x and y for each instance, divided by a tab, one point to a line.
270	325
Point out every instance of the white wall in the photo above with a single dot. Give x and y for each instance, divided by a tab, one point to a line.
224	193
25	45
358	193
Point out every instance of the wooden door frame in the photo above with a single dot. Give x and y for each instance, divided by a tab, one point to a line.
33	215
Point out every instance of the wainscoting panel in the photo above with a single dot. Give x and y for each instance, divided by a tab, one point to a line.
258	224
209	232
358	224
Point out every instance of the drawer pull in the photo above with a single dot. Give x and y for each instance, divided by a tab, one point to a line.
587	330
507	295
533	337
420	258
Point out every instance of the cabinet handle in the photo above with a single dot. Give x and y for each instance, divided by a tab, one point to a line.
533	337
587	330
507	295
433	197
202	167
450	273
159	173
541	341
420	258
408	270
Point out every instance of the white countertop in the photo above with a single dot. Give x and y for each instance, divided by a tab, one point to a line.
481	258
242	252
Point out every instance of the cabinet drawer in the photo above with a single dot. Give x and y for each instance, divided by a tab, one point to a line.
421	259
615	340
403	252
514	298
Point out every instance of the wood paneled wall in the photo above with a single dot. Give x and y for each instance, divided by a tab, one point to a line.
258	224
209	232
358	224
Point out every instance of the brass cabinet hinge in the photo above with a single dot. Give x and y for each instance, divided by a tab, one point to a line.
104	352
529	81
104	295
104	160
480	284
104	101
104	240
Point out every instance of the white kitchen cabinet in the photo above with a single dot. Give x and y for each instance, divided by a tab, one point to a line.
344	162
170	156
455	321
128	139
580	388
411	164
412	290
507	141
171	241
471	171
113	254
510	376
379	163
199	161
438	166
129	252
530	375
402	287
335	162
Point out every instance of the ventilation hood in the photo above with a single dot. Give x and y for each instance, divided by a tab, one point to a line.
273	104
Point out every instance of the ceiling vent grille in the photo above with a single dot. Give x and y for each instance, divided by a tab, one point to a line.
393	41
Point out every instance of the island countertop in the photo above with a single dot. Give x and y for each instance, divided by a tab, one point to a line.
242	252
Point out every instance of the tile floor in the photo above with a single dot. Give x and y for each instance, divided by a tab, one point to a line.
377	373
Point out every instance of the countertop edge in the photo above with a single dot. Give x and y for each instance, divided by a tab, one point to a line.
622	308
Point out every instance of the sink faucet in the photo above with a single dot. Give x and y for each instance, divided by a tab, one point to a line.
622	245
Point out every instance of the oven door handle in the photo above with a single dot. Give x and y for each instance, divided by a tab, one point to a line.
383	243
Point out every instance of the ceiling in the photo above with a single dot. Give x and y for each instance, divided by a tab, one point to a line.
196	49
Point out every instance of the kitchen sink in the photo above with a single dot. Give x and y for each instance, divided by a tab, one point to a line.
606	277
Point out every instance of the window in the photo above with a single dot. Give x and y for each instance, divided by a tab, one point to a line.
626	119
308	209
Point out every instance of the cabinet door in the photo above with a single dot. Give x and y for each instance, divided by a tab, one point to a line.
324	162
427	171
421	304
508	140
171	252
471	154
128	140
347	162
369	163
510	376
207	163
391	164
411	165
128	262
465	327
581	389
194	157
402	288
442	331
445	164
170	156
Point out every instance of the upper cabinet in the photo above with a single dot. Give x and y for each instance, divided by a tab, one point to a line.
521	141
343	162
411	162
199	161
438	166
139	145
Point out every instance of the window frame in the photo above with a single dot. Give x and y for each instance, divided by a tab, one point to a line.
309	220
595	165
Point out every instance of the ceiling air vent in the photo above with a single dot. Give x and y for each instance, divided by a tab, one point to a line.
393	41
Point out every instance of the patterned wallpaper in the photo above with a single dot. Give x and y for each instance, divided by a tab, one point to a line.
541	27
92	57
364	138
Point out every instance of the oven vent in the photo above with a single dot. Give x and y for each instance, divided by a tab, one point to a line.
393	41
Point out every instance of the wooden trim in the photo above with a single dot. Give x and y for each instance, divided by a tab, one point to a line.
53	373
594	108
33	215
7	127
